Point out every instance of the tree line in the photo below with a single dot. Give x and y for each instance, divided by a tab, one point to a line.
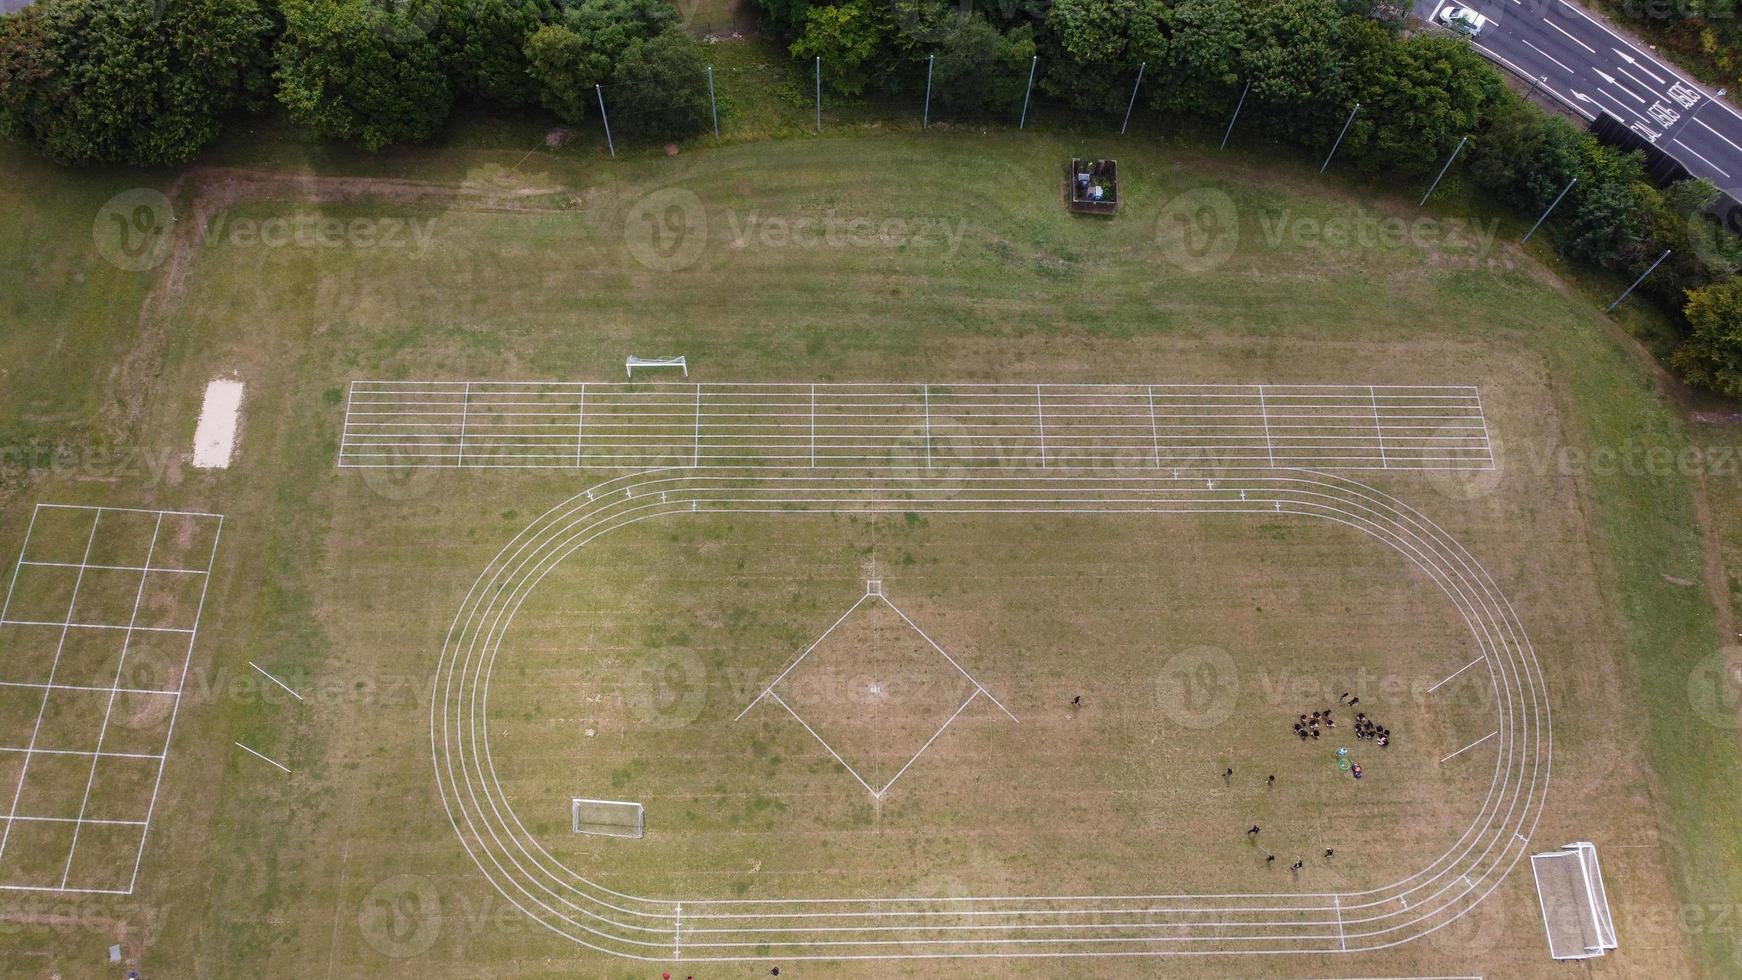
151	82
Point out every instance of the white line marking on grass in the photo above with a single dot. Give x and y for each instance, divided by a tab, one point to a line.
824	742
260	757
1455	673
946	655
1472	745
928	742
275	680
54	665
807	650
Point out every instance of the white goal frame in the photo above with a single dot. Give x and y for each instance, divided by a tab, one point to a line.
634	827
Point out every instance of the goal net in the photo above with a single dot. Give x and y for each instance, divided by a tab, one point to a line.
607	818
1575	907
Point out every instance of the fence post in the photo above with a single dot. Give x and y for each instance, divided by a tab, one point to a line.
819	93
1133	104
1636	282
1346	124
1026	92
1551	207
713	106
930	63
606	120
1235	118
1448	166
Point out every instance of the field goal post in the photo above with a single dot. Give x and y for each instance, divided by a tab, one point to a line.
1575	906
633	362
607	818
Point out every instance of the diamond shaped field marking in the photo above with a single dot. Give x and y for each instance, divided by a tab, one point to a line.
875	690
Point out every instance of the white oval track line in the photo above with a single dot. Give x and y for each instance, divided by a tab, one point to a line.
541	563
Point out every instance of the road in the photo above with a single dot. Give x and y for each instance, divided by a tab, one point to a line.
1590	67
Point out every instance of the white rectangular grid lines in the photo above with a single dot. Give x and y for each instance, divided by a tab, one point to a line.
96	632
872	426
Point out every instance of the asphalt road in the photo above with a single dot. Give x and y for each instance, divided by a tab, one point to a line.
1581	60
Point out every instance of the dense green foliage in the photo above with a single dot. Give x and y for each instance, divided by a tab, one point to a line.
357	71
143	82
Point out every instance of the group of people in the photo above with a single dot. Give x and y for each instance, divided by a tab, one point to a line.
1309	726
1366	729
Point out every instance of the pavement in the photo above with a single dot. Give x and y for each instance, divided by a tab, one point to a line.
1589	66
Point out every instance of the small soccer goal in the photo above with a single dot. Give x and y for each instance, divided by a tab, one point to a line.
1575	907
607	818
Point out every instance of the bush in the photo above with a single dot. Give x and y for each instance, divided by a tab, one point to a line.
1712	356
129	81
356	71
980	69
846	37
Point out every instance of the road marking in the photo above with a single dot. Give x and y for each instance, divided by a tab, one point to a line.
1629	110
1644	85
1635	63
1550	57
1696	153
1521	73
1624	90
1568	36
1719	135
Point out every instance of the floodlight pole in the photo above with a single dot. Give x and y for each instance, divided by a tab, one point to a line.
606	120
713	106
1636	282
1133	104
1448	166
1551	207
1026	92
1346	124
930	63
1235	118
819	93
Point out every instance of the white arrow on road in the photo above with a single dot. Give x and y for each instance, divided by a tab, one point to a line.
1582	97
1635	63
1605	76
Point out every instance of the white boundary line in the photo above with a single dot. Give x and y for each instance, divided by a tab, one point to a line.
520	868
260	757
275	680
1455	673
1472	745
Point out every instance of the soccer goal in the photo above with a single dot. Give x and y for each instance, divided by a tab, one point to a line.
1575	907
607	818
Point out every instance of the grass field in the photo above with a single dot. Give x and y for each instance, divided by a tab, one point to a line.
344	583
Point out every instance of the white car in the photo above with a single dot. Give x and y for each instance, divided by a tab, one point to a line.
1464	20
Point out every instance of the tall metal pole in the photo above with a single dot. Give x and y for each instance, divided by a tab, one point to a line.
713	105
1133	104
1024	120
1346	124
930	63
1448	166
819	93
1236	115
1636	282
606	120
1551	207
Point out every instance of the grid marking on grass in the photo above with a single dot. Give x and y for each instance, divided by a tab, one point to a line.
101	723
1447	887
969	426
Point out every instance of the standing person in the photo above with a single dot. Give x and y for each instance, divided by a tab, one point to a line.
1253	832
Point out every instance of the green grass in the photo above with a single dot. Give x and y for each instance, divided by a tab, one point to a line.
346	586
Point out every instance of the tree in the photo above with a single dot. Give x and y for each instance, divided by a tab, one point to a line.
653	71
361	72
664	92
1712	355
129	81
1420	96
1200	74
980	69
845	37
557	60
483	45
1092	49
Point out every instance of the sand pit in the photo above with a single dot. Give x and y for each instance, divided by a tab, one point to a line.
215	437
